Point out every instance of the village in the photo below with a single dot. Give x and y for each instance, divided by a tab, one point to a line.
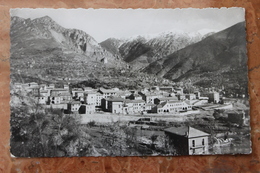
152	111
87	100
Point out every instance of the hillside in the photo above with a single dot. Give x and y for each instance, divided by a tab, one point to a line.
43	50
46	30
112	45
216	55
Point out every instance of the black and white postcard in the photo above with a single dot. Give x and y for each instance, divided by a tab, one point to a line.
128	82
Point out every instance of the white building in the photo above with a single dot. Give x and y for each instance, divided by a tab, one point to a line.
91	98
107	92
173	107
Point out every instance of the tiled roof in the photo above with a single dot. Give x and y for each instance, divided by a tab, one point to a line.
107	90
161	105
115	99
234	112
174	101
168	98
186	131
90	92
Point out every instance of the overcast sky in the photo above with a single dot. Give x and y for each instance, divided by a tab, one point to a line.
118	23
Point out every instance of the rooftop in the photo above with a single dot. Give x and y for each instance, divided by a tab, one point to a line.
124	92
161	105
151	94
170	99
54	94
107	90
115	99
77	89
88	88
90	92
174	101
186	131
59	89
234	111
134	101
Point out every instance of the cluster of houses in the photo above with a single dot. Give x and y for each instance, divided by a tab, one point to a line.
87	100
160	100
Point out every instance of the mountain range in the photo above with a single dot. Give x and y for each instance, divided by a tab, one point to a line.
140	51
218	57
42	49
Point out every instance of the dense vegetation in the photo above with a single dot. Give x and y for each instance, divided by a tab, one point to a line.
50	133
47	133
44	132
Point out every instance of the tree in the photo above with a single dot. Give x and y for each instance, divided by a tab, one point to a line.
43	132
153	138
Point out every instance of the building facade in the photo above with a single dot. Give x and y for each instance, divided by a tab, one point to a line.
172	107
186	140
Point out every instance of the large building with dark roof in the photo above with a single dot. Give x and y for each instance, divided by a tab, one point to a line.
186	140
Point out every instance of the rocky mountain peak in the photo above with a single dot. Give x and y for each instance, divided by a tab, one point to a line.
44	19
220	54
16	19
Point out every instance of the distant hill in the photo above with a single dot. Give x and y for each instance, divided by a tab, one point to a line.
216	60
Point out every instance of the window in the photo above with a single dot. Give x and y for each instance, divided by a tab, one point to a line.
193	143
203	142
